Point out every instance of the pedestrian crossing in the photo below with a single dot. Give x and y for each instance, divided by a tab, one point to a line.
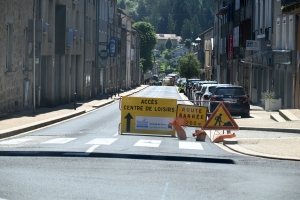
96	142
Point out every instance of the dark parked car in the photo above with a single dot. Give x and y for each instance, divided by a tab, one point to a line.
237	100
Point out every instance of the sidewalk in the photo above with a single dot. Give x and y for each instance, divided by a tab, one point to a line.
282	141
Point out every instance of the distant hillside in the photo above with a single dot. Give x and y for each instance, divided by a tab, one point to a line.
186	18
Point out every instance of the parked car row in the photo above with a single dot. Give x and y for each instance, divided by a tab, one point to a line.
210	94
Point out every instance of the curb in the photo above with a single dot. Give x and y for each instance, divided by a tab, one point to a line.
286	130
39	124
239	149
14	131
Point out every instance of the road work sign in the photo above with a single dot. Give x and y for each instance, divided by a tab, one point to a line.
148	115
195	115
220	119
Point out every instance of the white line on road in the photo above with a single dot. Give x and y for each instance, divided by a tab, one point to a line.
190	145
148	143
103	141
92	148
116	134
59	141
14	141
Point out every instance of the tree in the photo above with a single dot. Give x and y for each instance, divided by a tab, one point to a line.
148	42
186	30
168	56
161	47
189	66
188	43
169	44
196	27
171	24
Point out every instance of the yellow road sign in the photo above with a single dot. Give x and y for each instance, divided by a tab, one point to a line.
195	115
148	115
220	119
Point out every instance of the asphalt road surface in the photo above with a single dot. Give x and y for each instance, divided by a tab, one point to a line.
86	158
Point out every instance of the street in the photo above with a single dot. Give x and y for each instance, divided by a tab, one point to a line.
86	158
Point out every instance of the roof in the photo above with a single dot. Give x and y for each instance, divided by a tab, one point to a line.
167	36
222	11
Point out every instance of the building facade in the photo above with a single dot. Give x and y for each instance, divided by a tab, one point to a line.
255	47
77	47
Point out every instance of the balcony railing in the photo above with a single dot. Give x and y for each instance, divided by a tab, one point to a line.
290	6
289	2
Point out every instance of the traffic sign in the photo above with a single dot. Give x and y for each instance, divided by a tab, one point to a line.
195	115
148	115
103	54
220	119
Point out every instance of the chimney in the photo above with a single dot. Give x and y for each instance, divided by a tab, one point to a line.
127	10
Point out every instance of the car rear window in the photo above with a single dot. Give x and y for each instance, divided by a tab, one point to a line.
211	89
203	89
230	91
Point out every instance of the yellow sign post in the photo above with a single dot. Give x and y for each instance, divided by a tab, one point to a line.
195	115
148	115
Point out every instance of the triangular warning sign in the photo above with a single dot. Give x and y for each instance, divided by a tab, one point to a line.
220	119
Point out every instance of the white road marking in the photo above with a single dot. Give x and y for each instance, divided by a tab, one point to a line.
92	148
103	141
116	134
14	141
148	143
59	141
190	145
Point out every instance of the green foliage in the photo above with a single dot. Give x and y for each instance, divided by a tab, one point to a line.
187	30
188	43
169	44
181	90
168	56
189	66
168	16
148	42
269	95
161	47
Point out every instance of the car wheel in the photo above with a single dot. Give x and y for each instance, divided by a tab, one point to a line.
245	115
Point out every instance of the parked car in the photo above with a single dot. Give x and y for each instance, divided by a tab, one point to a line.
197	91
190	84
206	91
236	98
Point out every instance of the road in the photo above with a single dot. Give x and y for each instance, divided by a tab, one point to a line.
86	158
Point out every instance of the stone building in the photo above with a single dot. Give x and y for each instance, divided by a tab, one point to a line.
16	75
71	38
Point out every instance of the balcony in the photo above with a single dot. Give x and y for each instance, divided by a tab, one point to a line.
290	6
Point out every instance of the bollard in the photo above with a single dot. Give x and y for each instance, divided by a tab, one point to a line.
75	101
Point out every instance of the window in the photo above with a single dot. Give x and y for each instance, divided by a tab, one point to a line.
261	6
26	52
284	45
278	33
9	46
291	33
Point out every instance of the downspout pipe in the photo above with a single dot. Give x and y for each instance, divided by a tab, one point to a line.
84	50
97	76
